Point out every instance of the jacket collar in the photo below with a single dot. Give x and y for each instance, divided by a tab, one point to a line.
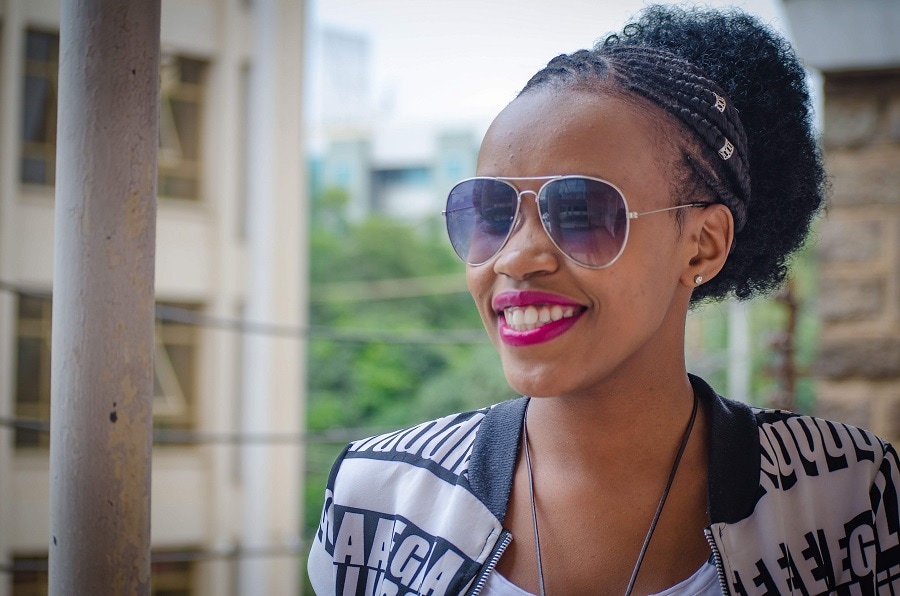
734	455
734	459
494	455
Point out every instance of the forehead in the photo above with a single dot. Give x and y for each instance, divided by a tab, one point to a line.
553	131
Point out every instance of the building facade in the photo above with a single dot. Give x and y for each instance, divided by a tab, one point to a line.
200	491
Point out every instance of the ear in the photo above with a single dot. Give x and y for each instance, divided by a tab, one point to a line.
710	234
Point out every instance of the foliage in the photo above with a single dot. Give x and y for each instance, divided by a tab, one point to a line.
372	383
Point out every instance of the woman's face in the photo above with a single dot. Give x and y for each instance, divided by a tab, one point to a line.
625	319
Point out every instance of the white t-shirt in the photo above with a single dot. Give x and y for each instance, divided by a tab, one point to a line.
704	582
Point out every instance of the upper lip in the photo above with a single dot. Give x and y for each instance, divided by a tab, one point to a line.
509	298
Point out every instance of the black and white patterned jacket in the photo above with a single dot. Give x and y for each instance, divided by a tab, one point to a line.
798	505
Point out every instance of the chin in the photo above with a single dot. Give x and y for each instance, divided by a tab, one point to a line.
533	382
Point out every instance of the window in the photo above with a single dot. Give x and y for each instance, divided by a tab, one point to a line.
415	176
29	576
385	182
182	86
39	108
33	369
172	578
180	117
176	358
174	382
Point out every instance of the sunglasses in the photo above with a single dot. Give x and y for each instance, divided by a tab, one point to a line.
586	218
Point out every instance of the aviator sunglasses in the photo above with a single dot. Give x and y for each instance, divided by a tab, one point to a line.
586	218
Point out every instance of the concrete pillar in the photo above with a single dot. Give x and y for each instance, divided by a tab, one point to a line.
739	353
103	309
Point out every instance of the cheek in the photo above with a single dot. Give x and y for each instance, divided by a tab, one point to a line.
642	283
480	281
656	252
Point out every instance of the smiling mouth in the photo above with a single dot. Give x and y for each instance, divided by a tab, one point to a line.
528	318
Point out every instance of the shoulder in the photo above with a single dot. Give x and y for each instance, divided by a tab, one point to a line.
797	448
437	450
761	457
825	500
407	501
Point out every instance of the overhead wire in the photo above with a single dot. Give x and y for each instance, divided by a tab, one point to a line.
41	564
187	316
187	437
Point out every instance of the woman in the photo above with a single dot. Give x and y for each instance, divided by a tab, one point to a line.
671	164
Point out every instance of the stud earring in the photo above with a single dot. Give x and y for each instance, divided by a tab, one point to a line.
698	279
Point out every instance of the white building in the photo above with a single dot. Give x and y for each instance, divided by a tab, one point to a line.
387	164
404	172
199	491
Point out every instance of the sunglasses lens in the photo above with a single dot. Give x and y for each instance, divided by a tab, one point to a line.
586	218
480	213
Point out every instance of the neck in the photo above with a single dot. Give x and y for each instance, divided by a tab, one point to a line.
594	430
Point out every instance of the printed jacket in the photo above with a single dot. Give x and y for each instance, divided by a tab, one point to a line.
798	505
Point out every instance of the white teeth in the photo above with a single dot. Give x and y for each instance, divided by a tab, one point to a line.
531	317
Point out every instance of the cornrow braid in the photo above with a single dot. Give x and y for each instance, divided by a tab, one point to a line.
681	89
570	68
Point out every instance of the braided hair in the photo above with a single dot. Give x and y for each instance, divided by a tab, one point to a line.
738	93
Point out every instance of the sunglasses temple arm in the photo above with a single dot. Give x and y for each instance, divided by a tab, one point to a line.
635	214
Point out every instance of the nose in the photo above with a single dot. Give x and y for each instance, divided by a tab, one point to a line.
529	250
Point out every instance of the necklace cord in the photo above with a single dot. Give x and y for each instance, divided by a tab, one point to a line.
662	500
653	523
534	521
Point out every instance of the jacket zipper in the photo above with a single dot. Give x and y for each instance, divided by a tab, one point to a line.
505	539
717	559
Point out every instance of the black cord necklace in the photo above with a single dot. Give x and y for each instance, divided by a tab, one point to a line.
659	508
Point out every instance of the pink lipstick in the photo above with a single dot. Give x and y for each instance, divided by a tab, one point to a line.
527	317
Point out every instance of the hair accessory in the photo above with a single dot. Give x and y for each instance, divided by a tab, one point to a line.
727	150
720	102
698	279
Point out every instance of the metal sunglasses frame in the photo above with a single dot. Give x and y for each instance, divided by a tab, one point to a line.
629	215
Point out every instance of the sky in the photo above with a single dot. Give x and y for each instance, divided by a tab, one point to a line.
464	60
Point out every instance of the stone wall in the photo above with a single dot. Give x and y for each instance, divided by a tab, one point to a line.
858	366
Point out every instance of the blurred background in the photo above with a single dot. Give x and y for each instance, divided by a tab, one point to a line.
364	324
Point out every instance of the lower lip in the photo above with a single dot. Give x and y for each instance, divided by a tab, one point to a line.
542	334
